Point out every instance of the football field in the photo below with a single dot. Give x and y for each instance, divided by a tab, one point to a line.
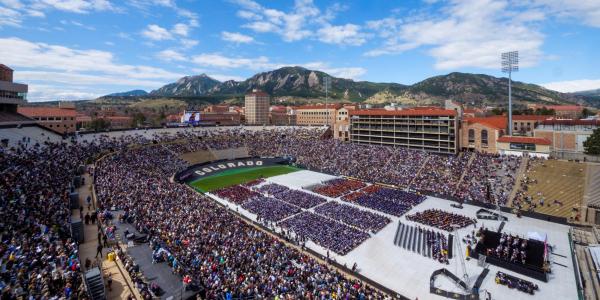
238	176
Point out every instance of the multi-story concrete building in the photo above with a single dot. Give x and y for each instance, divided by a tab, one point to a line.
430	129
317	114
256	107
566	136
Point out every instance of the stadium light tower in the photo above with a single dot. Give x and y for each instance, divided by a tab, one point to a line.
510	63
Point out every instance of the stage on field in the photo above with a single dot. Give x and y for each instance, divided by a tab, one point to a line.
408	272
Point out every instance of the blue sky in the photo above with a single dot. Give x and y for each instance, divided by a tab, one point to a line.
81	49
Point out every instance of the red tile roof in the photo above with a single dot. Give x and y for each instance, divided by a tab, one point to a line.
571	122
531	117
404	112
498	122
41	111
524	140
563	107
320	106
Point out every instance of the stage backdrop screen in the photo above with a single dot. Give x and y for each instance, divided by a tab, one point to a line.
191	117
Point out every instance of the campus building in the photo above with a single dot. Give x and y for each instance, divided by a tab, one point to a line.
517	145
58	119
256	107
429	129
317	115
566	136
524	125
561	111
11	94
341	128
480	133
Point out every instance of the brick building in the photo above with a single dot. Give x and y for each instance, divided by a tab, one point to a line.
318	114
58	119
480	134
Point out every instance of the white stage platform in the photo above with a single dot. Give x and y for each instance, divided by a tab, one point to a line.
408	273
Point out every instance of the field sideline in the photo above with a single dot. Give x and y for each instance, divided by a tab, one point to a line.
238	176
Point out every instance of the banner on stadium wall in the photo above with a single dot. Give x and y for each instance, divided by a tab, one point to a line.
207	169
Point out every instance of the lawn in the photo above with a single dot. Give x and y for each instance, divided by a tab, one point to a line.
238	176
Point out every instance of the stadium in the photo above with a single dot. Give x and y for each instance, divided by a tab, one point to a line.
265	212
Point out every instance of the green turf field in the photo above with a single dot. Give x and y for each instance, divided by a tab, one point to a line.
238	176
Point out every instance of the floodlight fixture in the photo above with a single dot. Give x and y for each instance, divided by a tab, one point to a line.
510	63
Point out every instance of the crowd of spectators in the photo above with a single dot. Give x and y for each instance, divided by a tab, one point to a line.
337	187
300	198
441	219
272	189
361	219
438	243
390	201
212	246
236	194
496	171
270	209
325	232
38	259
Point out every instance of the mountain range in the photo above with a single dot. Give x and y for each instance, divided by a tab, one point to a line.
298	82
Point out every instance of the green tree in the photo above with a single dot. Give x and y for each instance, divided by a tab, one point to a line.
586	113
138	119
592	144
99	124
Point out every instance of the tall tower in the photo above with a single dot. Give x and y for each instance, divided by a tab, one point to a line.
256	108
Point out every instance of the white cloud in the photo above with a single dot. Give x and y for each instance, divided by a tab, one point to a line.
573	85
78	24
187	43
9	17
44	92
236	37
304	20
219	61
469	33
75	6
157	33
262	63
181	29
342	72
348	34
57	65
584	11
170	55
225	77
